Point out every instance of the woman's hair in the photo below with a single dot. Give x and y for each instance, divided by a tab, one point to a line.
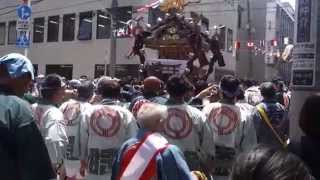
309	120
265	163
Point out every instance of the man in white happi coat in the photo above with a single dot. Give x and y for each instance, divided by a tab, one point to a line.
186	126
74	112
232	132
246	109
104	129
50	120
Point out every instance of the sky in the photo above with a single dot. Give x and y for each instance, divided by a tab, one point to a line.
292	2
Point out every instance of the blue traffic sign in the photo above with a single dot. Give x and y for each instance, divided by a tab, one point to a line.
24	12
23	41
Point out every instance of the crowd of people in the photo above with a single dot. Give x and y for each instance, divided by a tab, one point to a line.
52	128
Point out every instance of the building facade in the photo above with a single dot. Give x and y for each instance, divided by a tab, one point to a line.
72	37
271	28
279	33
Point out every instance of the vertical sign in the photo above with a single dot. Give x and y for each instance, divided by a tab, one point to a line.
24	14
304	53
304	21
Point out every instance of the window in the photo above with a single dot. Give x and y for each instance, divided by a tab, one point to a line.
64	70
53	29
230	40
38	30
85	26
2	33
103	25
123	15
99	70
222	37
12	32
68	27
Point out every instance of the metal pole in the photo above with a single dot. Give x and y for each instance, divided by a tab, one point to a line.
113	41
250	72
26	50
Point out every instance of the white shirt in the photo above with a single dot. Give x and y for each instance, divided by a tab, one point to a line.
105	129
186	127
74	112
50	122
233	132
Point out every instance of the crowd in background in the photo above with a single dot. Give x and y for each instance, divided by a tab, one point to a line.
97	128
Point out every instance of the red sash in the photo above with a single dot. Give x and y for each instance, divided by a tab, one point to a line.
139	160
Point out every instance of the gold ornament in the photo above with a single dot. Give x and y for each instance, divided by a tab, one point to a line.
173	4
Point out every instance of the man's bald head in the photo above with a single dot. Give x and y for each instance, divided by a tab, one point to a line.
151	84
150	116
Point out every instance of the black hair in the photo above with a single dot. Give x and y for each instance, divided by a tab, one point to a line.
48	93
108	88
178	85
309	116
229	86
50	86
241	94
266	163
200	86
85	90
268	90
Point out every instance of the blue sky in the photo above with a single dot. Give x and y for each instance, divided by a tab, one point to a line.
292	2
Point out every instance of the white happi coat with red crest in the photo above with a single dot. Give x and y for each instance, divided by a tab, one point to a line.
104	129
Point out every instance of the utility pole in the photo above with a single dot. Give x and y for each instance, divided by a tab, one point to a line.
249	30
113	41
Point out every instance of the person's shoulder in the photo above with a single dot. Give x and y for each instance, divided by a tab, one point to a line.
137	98
212	105
18	104
195	111
172	152
55	112
120	109
70	101
280	106
173	148
17	100
160	100
19	108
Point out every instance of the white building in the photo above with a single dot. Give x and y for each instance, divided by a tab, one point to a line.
72	37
